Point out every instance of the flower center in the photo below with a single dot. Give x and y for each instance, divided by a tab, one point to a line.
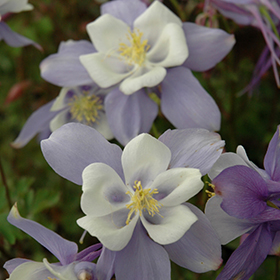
142	200
135	53
85	108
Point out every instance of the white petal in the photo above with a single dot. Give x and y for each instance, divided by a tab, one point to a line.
153	20
59	102
103	190
30	271
111	230
177	185
172	226
107	32
143	158
143	77
102	126
59	120
171	47
61	272
105	69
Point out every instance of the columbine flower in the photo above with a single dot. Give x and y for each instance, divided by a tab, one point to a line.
149	53
10	37
264	15
247	201
84	104
135	198
71	266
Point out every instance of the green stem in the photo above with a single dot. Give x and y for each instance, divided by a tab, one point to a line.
276	276
266	14
178	9
6	186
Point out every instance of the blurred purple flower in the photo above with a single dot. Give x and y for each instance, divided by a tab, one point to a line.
150	53
83	104
10	37
71	266
264	15
247	201
75	149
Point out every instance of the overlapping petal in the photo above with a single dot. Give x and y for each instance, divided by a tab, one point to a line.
14	39
227	227
31	271
173	224
243	190
196	148
129	115
70	149
111	229
207	46
177	185
245	260
272	157
142	259
199	250
64	68
186	104
143	158
104	191
63	249
36	123
124	10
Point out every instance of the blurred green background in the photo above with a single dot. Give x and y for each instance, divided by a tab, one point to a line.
45	197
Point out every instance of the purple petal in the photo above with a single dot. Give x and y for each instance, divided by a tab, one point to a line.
142	258
13	39
64	250
89	254
124	10
227	227
38	122
64	68
207	46
105	267
74	146
196	148
186	104
194	251
129	115
272	157
243	190
275	248
249	255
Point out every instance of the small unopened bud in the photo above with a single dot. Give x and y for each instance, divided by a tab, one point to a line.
85	275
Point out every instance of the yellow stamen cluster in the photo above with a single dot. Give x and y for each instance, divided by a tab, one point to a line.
49	278
85	108
142	200
210	193
135	53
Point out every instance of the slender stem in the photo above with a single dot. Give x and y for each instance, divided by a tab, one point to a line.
5	185
178	9
276	276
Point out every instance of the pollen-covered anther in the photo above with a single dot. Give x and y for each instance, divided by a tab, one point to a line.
142	200
210	193
85	108
135	53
